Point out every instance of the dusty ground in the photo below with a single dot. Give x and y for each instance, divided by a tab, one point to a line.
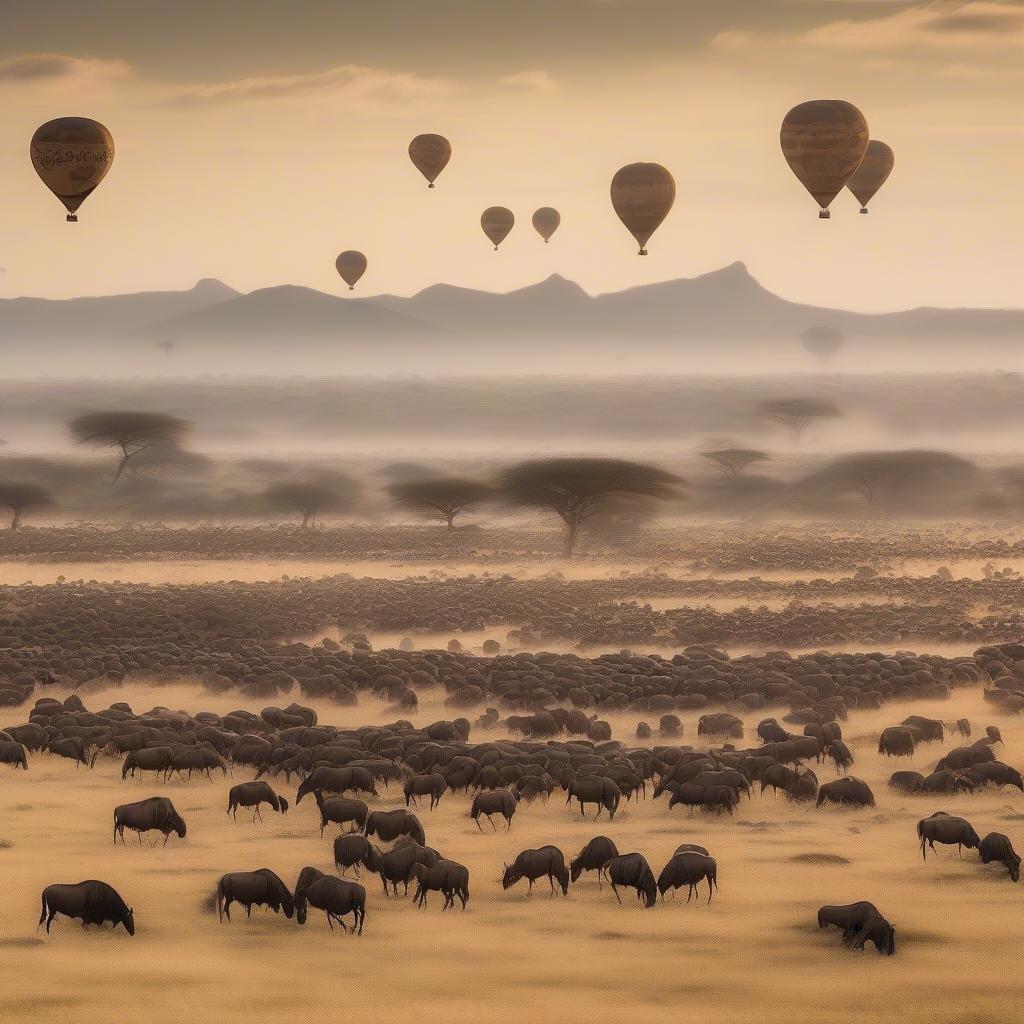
754	954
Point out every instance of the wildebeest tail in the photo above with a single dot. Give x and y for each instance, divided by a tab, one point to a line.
220	901
284	803
42	916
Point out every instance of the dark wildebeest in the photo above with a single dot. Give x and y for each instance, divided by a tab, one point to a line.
875	929
805	787
595	790
92	902
925	730
841	755
389	825
494	801
433	785
396	865
337	780
632	871
155	814
12	752
778	776
196	759
336	897
253	888
252	794
997	847
946	829
73	748
593	857
848	916
149	759
690	848
447	877
339	809
721	724
947	782
770	731
354	849
847	790
731	777
897	741
906	782
688	868
530	787
991	731
995	773
708	798
547	862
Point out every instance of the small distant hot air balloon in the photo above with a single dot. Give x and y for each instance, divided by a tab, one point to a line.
72	155
497	222
430	154
546	221
351	265
822	341
642	195
872	173
824	142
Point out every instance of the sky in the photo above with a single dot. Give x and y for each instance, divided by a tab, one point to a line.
258	138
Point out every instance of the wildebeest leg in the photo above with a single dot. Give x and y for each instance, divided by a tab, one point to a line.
689	892
140	837
600	808
328	915
167	835
478	825
258	814
508	824
616	891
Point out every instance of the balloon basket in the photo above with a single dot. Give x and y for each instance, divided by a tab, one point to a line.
824	215
431	185
642	252
863	209
72	218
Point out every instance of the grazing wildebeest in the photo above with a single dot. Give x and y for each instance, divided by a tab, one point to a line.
432	784
778	776
530	787
155	814
73	748
995	773
721	724
805	787
925	729
946	829
731	777
770	731
996	847
252	794
848	916
389	825
396	865
906	782
595	790
253	888
688	868
960	758
336	897
632	871
897	741
947	782
547	861
354	849
92	902
12	752
339	809
690	848
991	731
447	877
841	755
495	801
593	857
196	759
875	929
847	790
337	780
149	759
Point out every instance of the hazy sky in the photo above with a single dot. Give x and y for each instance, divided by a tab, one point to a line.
257	138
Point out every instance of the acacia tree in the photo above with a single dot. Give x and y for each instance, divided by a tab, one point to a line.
439	497
797	413
309	498
21	498
576	489
130	432
734	460
822	341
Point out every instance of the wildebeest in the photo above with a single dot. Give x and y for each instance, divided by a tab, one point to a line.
778	776
996	847
149	759
847	790
447	877
595	790
548	861
495	801
389	825
805	787
946	782
946	829
352	778
897	741
906	782
339	809
721	724
841	755
253	888
396	865
252	794
432	784
199	759
91	902
708	798
12	752
336	897
354	849
632	871
155	814
688	868
925	730
73	748
875	929
731	777
593	857
846	917
995	773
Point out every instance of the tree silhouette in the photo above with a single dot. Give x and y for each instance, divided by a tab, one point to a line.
439	497
21	498
823	342
797	413
734	460
130	432
309	498
576	489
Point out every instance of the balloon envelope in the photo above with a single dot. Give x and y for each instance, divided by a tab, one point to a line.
430	154
351	265
497	222
642	195
824	142
870	176
546	221
72	156
823	341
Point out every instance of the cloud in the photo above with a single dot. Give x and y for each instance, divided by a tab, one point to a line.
35	68
537	80
360	85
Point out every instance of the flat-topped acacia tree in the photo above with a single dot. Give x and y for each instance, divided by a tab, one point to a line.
798	413
439	497
131	433
21	498
309	498
576	489
734	460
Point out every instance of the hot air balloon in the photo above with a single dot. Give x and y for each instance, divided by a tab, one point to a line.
642	195
822	341
824	142
546	221
351	265
72	156
871	175
497	222
430	154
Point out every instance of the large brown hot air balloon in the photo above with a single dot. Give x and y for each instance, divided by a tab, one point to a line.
824	142
497	222
430	154
72	155
351	265
871	175
642	195
546	221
